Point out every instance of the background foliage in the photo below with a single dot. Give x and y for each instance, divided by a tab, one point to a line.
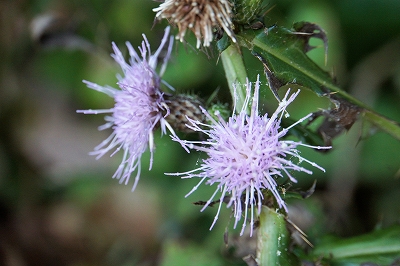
59	206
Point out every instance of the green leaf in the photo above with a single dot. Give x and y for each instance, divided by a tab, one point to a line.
381	246
223	43
283	55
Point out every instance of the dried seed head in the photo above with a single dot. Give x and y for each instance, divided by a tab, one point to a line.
181	107
199	16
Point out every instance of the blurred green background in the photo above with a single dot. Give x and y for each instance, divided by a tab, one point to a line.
60	206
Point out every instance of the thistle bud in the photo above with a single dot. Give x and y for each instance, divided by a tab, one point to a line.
181	107
219	109
246	11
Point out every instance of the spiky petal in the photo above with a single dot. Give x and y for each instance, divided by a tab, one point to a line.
139	107
246	155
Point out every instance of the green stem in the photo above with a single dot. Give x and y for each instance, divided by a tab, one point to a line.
235	72
383	123
273	240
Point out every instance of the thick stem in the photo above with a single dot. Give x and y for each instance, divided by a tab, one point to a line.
273	240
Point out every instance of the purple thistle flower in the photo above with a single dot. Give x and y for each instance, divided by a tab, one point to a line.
139	107
245	156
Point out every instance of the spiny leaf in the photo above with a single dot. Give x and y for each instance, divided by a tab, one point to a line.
337	119
283	55
306	31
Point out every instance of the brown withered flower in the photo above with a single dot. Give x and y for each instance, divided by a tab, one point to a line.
199	16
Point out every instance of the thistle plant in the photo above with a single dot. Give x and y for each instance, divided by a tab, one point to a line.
250	156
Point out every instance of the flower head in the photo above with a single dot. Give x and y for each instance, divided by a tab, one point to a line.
246	155
139	107
199	16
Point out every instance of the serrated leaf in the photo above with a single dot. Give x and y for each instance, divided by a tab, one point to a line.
283	55
283	52
306	31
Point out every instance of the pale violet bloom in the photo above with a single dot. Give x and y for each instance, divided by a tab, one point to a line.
139	107
245	156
